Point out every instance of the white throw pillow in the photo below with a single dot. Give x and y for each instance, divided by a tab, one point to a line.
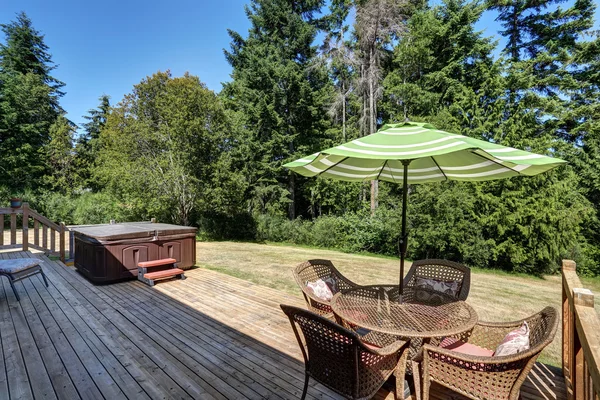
514	342
320	289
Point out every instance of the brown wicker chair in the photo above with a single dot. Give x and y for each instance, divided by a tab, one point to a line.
440	270
495	377
337	358
312	270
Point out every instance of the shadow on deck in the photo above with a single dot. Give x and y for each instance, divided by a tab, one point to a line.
210	336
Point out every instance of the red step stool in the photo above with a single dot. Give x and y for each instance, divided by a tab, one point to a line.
150	271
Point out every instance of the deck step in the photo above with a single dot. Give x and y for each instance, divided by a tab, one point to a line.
167	273
157	263
159	269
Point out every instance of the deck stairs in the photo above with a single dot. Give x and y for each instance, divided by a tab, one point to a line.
150	271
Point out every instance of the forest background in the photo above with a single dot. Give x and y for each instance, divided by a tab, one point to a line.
309	75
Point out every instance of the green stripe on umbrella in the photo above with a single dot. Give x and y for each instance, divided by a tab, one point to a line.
418	153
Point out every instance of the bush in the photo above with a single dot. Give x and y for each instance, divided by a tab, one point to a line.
353	232
220	226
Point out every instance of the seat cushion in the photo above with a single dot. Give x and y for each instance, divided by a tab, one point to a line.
17	265
466	348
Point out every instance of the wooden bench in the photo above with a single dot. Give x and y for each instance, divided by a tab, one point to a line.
150	271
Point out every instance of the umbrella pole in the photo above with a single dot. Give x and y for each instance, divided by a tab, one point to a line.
403	237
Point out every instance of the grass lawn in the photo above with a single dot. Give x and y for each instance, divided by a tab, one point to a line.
497	296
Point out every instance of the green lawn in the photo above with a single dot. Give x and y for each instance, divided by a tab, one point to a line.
496	295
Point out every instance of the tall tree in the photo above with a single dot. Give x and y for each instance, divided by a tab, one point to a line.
28	103
281	96
160	147
444	68
378	24
63	175
542	40
87	147
338	52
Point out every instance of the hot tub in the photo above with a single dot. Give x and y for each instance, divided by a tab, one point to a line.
109	253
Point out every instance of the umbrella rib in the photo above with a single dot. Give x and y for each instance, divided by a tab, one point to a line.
332	165
381	170
494	161
440	168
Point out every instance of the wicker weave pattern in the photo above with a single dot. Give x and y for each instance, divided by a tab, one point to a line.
489	377
442	270
338	359
378	308
312	270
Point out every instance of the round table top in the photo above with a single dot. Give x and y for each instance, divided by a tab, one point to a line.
421	314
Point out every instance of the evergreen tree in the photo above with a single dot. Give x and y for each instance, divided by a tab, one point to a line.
542	39
63	176
445	70
87	147
281	96
28	104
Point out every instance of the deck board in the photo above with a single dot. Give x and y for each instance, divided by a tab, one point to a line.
210	336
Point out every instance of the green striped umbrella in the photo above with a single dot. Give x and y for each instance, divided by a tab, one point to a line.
417	153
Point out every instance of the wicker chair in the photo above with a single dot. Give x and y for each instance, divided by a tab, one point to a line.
337	358
495	377
440	270
312	270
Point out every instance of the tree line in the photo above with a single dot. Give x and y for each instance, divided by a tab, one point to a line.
309	75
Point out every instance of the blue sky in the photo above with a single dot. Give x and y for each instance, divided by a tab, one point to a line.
108	46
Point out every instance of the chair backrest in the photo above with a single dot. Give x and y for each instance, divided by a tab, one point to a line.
441	270
312	270
335	356
542	329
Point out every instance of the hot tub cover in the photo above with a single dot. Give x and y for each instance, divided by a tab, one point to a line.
130	230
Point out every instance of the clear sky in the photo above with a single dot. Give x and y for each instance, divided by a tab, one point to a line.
108	46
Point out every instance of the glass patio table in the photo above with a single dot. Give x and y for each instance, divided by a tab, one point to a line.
421	313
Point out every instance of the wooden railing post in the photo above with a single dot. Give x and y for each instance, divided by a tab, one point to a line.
25	227
36	232
71	244
581	337
62	241
585	298
568	328
13	228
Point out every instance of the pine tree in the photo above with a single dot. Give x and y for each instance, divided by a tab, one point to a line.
535	223
445	70
281	95
63	176
28	104
87	147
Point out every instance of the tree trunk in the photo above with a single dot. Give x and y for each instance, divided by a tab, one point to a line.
344	111
292	189
372	123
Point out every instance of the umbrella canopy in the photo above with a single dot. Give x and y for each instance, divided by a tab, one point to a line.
418	153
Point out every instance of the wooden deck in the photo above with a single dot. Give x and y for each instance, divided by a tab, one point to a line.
211	336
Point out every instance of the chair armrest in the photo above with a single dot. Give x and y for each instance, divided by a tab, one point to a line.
473	376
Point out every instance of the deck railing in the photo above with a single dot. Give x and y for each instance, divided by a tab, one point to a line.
51	232
581	337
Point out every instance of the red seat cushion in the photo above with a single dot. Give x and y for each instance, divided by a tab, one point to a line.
466	348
